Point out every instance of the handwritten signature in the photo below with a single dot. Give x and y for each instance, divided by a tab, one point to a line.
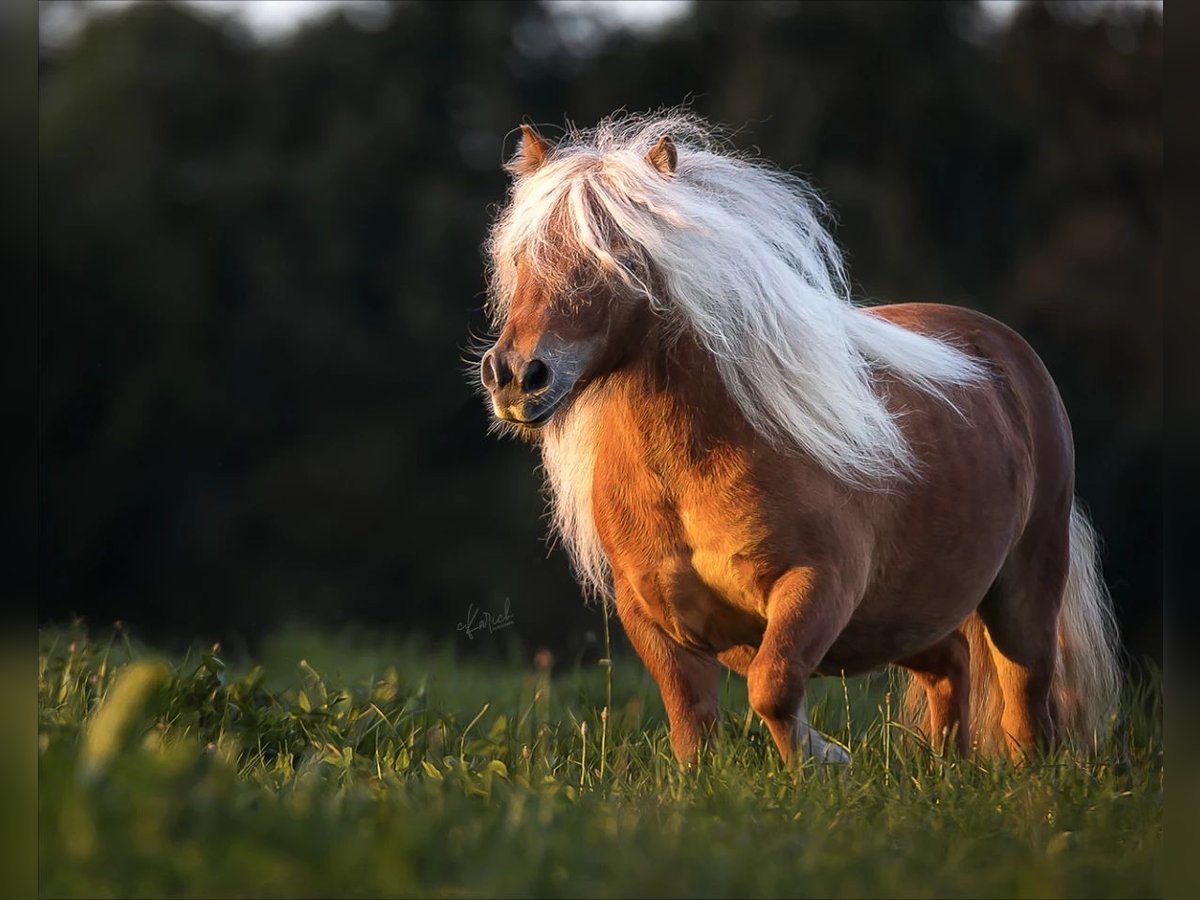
478	621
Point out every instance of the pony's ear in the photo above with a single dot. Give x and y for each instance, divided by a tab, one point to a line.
663	156
531	154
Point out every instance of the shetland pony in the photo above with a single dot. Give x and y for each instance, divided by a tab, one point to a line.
761	474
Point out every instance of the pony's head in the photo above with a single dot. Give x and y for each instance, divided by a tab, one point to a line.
570	287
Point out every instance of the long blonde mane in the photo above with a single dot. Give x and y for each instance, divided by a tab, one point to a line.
746	265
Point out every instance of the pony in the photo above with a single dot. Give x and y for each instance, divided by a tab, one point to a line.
758	472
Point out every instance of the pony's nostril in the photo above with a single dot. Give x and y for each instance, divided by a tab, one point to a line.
487	371
494	371
536	377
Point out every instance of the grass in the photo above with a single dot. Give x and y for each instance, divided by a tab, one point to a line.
341	766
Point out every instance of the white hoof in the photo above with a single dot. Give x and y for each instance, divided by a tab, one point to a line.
813	744
825	751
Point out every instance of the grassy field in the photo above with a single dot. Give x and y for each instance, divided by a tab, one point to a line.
341	766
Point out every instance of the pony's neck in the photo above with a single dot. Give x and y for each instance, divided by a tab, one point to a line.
672	394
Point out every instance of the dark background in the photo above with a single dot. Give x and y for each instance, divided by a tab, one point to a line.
259	269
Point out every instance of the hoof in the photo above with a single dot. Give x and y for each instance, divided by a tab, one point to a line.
825	751
832	753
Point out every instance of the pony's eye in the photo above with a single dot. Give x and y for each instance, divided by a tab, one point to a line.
630	262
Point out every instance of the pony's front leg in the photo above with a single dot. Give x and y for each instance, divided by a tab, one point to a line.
687	680
809	741
805	615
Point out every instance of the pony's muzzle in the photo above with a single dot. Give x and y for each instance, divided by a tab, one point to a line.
518	386
507	372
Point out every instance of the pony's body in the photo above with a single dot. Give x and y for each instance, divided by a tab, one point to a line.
700	516
932	529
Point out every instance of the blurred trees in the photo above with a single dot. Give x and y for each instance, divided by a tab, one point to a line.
260	269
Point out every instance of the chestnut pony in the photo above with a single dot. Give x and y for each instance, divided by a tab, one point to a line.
761	474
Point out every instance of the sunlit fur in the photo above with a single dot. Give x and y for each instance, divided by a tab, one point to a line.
745	264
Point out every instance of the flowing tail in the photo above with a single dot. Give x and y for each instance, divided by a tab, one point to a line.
1087	681
1087	677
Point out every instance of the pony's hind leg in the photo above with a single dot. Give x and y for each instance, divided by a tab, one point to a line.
944	671
1021	615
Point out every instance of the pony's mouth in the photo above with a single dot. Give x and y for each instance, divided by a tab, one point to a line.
540	416
536	422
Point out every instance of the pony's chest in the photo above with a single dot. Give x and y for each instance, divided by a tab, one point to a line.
695	555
